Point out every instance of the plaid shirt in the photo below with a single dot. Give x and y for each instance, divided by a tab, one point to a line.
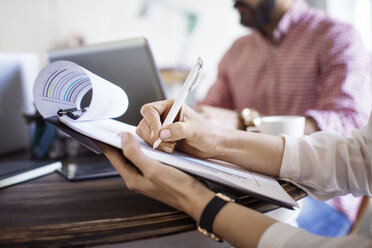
314	67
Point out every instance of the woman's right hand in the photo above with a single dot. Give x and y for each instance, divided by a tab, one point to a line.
190	132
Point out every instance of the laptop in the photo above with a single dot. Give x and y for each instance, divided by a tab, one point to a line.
17	75
128	64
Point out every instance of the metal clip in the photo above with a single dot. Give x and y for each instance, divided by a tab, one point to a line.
72	113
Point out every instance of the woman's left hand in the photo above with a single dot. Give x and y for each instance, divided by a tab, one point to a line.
156	180
241	226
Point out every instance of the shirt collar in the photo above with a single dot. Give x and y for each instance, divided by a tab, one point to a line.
291	17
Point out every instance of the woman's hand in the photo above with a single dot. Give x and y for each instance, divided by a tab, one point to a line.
156	180
239	225
196	136
192	133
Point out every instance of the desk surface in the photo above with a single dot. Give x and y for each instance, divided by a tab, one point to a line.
51	211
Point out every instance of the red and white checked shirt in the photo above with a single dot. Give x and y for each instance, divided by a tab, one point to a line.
315	67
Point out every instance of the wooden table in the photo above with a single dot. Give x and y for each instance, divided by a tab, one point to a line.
53	212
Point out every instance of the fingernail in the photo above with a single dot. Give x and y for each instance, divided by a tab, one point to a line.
168	149
124	137
152	134
165	134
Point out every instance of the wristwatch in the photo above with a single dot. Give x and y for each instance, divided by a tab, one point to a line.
250	117
209	214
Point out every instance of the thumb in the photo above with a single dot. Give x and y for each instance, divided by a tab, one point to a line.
132	151
178	131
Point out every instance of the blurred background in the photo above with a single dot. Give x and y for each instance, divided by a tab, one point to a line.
178	31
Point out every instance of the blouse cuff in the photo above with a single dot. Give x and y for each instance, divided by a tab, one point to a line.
290	162
367	129
278	232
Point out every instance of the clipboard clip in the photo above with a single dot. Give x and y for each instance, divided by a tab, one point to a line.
73	113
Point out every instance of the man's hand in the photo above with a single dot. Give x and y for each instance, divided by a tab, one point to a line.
221	117
311	126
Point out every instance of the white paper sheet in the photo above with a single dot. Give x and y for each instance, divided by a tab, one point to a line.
62	85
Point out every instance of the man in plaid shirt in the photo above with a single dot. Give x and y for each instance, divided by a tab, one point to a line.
296	61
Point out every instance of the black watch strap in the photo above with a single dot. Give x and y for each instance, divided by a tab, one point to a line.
211	210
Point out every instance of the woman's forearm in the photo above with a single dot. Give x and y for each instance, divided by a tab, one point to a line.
241	226
257	152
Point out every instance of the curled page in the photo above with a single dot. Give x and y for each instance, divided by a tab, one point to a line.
61	86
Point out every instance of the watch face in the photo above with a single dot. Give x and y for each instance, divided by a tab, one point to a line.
250	117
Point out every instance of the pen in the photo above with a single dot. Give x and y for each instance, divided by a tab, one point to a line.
189	85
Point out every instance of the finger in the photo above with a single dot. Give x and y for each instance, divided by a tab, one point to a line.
102	146
153	113
132	151
178	131
125	169
131	175
163	107
167	147
143	130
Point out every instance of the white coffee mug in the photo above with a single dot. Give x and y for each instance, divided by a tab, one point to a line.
291	125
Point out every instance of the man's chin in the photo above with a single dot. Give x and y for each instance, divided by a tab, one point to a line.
246	18
246	23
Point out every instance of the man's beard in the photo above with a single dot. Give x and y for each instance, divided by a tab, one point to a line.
258	16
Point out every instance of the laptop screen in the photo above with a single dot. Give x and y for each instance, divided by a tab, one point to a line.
128	64
17	75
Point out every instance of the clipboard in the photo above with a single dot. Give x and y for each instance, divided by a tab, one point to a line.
58	91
